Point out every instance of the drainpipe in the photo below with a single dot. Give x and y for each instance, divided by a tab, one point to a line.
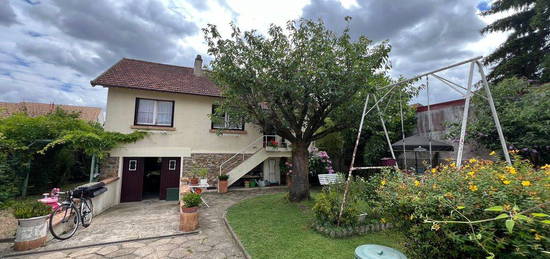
92	168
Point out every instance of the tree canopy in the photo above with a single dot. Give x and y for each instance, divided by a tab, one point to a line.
526	52
524	113
295	78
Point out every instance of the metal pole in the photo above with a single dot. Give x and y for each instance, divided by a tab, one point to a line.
353	158
92	168
403	132
494	112
385	130
432	72
465	117
429	121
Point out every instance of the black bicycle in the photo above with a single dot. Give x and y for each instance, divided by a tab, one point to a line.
75	210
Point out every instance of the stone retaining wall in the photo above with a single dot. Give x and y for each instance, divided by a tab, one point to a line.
108	168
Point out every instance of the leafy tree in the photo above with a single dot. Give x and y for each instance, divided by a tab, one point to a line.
53	141
524	113
526	52
294	79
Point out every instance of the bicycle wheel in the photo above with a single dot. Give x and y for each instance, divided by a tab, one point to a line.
86	212
64	221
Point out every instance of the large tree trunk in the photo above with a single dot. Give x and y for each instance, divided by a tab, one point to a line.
299	188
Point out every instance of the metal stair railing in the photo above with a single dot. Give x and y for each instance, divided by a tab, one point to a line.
242	151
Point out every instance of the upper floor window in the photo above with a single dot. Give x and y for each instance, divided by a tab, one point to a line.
154	112
225	122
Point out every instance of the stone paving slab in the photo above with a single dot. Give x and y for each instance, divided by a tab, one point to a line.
155	218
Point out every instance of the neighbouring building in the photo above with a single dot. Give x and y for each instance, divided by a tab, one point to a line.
36	109
443	115
174	105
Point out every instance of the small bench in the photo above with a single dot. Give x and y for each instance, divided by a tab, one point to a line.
326	179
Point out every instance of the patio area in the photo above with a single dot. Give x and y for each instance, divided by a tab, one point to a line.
151	220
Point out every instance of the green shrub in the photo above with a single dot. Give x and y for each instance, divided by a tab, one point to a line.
191	200
431	210
223	177
30	209
199	172
328	202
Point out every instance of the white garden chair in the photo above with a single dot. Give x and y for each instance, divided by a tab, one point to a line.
326	179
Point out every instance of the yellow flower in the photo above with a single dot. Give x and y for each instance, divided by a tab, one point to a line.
546	166
473	188
506	182
492	153
434	170
537	236
471	173
526	183
472	160
511	170
453	164
383	182
416	183
501	177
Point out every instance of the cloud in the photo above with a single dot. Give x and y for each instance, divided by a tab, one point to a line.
7	15
57	47
424	34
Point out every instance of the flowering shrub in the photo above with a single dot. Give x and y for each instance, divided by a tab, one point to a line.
483	209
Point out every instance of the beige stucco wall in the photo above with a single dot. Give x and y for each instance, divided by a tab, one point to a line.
192	134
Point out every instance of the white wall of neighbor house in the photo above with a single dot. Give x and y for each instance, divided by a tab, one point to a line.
191	122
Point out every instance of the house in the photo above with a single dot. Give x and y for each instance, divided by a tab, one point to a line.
443	115
174	105
36	109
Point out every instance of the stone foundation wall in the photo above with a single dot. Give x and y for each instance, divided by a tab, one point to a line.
108	168
211	161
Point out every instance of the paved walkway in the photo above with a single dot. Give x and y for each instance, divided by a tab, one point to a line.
152	219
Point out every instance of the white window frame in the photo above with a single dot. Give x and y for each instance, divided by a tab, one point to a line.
172	165
135	162
155	114
226	124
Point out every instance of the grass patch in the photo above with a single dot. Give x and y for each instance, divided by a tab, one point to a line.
271	227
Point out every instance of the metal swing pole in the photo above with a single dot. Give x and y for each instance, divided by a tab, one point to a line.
353	159
385	131
494	112
429	121
465	117
403	132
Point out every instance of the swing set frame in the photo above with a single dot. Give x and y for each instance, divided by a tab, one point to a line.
473	62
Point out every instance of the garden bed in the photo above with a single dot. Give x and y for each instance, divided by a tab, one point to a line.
271	227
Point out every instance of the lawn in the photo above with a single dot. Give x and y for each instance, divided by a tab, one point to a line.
271	227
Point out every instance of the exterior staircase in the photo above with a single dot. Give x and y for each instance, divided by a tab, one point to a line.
261	153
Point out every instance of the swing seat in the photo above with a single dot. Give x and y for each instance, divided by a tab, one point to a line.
326	179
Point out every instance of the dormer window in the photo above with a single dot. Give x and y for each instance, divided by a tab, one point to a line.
150	112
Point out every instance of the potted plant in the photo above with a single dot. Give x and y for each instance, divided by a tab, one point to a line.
203	174
272	145
32	227
222	183
189	216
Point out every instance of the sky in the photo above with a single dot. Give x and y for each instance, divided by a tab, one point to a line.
50	50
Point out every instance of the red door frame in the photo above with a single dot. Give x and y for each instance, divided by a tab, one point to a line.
132	179
169	178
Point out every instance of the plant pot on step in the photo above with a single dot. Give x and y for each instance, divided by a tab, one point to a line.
222	183
194	181
32	226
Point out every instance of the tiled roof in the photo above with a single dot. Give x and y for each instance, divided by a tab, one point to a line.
37	109
138	74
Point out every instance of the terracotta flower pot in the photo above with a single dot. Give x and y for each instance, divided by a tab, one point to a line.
189	219
31	233
222	186
194	181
